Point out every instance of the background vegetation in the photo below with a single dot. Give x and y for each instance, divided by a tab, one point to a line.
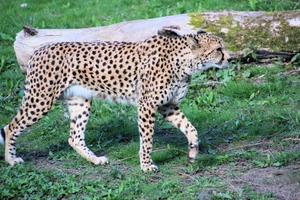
247	117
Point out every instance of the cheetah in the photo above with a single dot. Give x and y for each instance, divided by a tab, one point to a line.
153	75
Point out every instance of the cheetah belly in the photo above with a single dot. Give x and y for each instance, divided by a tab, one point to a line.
79	91
86	93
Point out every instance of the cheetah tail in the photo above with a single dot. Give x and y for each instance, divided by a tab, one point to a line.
2	136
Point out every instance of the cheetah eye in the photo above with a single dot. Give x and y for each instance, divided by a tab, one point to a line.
219	49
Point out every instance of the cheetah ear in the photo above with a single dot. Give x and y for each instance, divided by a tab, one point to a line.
168	32
193	42
201	31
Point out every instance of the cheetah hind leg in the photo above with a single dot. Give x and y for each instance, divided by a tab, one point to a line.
79	110
27	115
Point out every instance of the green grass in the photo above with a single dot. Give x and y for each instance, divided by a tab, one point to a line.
255	105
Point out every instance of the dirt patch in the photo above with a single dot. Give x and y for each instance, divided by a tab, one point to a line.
90	171
282	182
46	164
294	148
262	146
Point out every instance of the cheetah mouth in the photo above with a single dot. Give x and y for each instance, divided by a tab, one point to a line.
214	65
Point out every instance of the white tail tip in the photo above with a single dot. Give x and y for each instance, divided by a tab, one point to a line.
2	136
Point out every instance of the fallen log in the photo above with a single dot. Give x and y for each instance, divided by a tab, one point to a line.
262	56
271	31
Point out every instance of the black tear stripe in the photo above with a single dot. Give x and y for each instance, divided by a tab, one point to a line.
2	133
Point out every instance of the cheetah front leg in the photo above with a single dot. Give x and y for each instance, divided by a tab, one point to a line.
79	110
146	115
172	114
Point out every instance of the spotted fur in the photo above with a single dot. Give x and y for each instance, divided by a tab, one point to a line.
153	75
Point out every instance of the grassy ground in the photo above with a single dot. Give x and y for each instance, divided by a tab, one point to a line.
248	122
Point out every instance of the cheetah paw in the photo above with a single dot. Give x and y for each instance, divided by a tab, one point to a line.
14	161
192	160
149	168
102	160
193	154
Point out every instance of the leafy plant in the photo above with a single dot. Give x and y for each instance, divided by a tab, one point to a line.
6	63
6	37
207	98
246	74
226	75
253	4
250	53
296	60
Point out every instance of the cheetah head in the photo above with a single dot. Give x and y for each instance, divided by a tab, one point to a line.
207	51
202	50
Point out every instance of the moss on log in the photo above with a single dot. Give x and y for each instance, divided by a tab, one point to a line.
275	31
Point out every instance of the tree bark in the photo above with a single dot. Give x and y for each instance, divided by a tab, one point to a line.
271	31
